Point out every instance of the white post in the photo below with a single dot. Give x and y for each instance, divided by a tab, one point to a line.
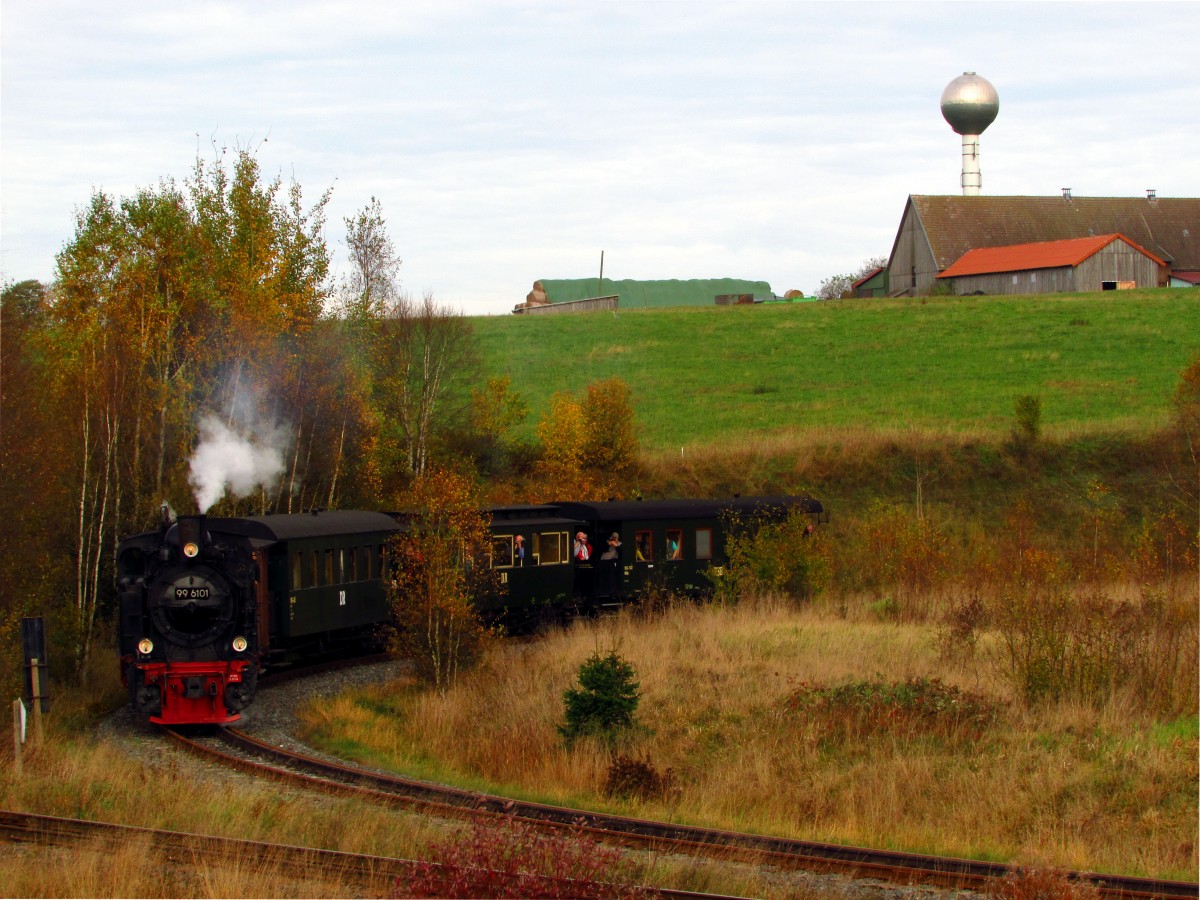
18	733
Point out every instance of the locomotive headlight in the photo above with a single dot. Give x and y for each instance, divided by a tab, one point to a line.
190	549
145	645
240	644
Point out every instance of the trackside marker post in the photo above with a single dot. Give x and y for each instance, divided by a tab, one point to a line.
36	674
18	733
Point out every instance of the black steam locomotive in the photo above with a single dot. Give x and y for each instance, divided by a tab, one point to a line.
207	603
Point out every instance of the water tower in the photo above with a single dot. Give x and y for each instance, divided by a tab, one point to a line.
970	104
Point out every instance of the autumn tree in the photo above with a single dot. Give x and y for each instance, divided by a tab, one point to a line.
364	298
34	572
164	304
420	354
372	283
439	562
496	410
589	444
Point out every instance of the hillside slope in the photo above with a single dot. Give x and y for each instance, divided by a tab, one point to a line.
702	376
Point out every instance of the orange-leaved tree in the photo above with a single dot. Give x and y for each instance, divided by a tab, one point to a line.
438	563
589	445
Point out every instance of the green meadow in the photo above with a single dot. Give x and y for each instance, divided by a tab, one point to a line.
700	375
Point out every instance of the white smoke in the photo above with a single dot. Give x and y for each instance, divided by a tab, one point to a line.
226	460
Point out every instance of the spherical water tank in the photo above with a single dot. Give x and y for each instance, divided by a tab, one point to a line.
970	103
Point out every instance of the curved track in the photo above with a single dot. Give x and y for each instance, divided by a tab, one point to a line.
894	866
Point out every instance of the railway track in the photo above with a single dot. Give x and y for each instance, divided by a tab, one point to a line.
893	866
377	874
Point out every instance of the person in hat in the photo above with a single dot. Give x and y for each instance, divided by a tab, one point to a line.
518	551
583	550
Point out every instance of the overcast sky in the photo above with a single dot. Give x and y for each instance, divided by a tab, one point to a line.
510	142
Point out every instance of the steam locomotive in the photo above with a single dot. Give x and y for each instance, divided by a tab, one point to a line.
207	603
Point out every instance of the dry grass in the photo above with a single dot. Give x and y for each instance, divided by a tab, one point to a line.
75	776
78	778
1063	785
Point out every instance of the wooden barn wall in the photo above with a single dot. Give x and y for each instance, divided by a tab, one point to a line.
912	253
1116	262
1040	281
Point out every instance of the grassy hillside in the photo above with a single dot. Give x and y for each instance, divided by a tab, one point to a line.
702	375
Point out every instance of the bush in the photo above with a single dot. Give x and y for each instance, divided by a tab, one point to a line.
857	710
1056	644
638	779
1027	428
606	700
510	858
1041	884
789	557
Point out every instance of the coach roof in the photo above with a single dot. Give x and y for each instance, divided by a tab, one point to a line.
300	526
634	510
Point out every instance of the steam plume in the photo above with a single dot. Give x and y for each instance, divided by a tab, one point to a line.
225	460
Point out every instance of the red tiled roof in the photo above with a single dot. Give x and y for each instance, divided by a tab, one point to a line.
1041	255
1193	277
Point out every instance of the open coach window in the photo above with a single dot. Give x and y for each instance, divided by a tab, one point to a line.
502	551
643	542
674	543
550	548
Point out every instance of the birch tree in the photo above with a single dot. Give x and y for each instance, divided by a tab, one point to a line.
421	352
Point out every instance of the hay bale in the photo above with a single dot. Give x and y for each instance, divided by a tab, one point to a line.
537	297
793	295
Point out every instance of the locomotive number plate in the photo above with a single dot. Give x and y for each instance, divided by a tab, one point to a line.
191	593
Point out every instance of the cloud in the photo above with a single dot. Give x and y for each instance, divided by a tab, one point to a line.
509	142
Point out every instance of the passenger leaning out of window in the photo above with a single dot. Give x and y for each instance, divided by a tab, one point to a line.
583	550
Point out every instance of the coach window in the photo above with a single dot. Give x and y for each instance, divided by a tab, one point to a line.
297	570
364	562
703	543
327	569
502	549
550	548
674	543
643	546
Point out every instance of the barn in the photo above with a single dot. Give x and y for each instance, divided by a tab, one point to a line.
936	231
1104	262
582	294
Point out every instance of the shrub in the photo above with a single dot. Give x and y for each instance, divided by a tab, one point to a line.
906	553
1041	884
789	557
1055	644
639	779
905	709
1027	424
510	858
605	701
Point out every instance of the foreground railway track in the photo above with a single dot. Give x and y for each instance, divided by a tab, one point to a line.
377	874
893	866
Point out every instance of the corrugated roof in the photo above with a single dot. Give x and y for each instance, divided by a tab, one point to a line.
1039	255
1168	227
